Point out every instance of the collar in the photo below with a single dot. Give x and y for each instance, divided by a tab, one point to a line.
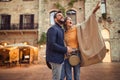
58	25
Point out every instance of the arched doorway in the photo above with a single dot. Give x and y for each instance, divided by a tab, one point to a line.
106	36
108	56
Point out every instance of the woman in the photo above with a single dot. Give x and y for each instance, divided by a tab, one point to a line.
72	41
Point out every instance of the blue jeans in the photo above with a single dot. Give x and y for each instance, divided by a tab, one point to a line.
67	71
63	72
56	70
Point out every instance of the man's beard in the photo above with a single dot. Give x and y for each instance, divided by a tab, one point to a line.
61	21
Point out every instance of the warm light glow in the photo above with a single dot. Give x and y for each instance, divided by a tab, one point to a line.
5	44
108	56
24	49
41	46
105	34
44	56
25	43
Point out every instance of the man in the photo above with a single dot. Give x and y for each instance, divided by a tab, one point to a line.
55	48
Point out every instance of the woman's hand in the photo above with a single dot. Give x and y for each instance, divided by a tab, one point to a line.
96	8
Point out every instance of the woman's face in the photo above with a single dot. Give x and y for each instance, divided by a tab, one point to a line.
69	22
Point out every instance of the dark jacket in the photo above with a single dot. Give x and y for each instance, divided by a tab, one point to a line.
55	48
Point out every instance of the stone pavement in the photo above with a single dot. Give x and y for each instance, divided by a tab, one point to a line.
101	71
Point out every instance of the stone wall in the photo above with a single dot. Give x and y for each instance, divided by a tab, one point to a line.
17	7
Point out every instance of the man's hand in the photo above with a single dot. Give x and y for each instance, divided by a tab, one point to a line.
96	8
69	50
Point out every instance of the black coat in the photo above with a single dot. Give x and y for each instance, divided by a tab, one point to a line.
55	48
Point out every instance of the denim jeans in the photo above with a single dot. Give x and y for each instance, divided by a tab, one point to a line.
56	70
67	71
63	72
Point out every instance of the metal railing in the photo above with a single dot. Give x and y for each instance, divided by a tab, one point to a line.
16	26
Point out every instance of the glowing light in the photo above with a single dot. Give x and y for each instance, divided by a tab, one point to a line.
41	46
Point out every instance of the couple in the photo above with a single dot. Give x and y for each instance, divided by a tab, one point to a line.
56	49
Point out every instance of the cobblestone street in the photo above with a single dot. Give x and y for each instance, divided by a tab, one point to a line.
102	71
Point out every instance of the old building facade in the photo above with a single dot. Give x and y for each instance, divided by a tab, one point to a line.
23	17
19	21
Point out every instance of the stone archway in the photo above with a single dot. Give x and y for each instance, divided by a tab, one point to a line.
106	36
108	55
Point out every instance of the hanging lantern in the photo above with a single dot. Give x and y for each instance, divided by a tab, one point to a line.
103	9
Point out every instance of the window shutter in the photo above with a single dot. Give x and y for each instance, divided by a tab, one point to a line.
32	21
21	22
8	21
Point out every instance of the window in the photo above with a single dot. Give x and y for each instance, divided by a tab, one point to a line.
4	22
27	21
5	0
52	13
72	15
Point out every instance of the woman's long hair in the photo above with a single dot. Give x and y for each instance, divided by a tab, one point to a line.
64	24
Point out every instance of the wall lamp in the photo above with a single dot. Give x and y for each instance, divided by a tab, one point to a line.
108	19
104	13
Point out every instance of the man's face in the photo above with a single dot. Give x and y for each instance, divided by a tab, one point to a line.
59	18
